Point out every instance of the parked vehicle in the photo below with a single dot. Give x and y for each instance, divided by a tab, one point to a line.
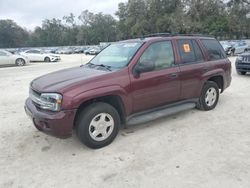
92	51
7	58
240	46
38	55
242	63
95	51
130	82
228	48
79	50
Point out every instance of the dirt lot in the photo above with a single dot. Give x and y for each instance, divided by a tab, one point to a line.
190	149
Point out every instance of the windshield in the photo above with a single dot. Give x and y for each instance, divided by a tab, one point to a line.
117	55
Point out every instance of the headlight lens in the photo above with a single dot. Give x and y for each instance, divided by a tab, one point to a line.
239	58
51	101
48	101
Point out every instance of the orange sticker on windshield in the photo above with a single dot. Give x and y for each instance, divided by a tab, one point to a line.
186	48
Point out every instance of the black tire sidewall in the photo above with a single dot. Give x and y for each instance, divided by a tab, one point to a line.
202	101
47	59
241	72
86	116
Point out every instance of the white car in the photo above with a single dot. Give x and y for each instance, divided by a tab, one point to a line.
38	55
7	58
240	47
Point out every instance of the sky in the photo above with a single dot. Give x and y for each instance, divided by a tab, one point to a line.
30	13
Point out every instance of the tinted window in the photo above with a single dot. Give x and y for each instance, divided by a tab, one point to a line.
198	53
214	49
186	50
160	54
33	52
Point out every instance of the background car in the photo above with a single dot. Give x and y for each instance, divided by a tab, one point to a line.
242	63
38	55
228	48
93	50
9	58
240	46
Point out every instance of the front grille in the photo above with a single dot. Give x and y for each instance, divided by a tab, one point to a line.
35	96
246	60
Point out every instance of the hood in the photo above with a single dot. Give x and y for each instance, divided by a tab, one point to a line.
57	81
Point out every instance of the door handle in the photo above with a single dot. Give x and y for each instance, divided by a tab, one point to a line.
173	75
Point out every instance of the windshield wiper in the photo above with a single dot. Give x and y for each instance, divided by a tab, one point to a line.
105	66
99	65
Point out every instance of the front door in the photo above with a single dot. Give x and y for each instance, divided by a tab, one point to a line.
159	85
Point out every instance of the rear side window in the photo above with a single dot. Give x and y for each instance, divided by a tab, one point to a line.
214	49
189	50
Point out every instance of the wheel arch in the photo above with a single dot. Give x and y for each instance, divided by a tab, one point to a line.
113	100
219	80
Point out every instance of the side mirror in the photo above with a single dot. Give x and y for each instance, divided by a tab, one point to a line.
143	66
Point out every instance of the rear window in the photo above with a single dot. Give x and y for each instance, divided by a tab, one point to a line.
214	49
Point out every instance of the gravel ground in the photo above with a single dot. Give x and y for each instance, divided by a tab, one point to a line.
190	149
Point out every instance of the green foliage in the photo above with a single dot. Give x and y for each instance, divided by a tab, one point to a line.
223	19
11	34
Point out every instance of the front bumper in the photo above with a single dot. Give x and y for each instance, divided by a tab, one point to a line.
58	124
55	58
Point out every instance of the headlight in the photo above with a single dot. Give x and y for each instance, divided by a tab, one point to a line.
239	58
48	101
51	101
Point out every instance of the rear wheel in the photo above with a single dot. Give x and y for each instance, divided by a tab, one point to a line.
98	125
47	59
20	62
209	96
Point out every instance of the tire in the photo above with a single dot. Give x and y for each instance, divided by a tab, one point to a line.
241	72
47	59
96	116
20	62
209	96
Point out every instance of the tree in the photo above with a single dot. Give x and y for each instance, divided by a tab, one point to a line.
12	35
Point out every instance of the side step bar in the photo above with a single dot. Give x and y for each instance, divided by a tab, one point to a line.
158	113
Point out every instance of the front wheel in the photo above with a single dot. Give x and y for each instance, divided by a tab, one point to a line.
209	96
97	125
241	72
20	62
47	59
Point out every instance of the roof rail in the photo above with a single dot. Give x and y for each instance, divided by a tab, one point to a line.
173	34
158	35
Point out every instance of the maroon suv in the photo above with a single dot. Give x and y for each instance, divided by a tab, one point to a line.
130	82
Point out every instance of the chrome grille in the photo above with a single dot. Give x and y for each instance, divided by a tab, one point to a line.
35	96
246	59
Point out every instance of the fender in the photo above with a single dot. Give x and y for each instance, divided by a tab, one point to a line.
207	75
117	90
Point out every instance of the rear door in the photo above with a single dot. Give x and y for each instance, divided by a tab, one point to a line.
192	67
160	85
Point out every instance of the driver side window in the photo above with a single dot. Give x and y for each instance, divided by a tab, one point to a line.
160	55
